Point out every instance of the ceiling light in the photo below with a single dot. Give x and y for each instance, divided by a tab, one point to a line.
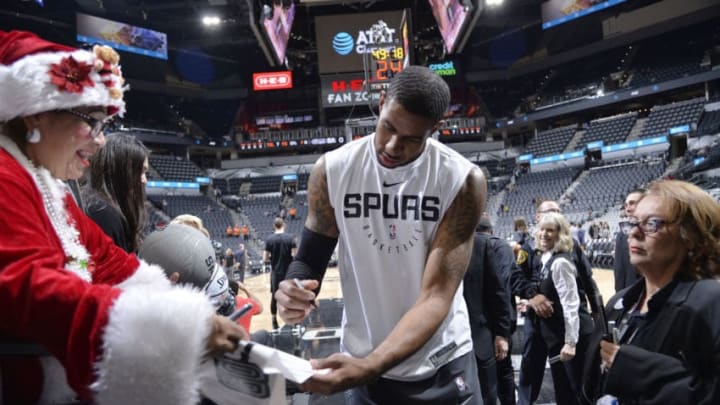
211	20
494	3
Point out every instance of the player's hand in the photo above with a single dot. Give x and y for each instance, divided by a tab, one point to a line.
344	372
541	305
225	335
294	303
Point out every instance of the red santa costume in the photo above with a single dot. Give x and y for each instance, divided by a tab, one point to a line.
117	331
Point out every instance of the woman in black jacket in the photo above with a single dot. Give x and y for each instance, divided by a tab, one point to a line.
565	324
663	342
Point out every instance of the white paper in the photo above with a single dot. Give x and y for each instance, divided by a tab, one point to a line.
228	380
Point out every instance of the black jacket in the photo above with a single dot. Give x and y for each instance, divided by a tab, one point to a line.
111	220
487	299
525	280
625	274
552	329
674	358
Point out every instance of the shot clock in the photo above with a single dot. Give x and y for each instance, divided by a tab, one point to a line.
386	63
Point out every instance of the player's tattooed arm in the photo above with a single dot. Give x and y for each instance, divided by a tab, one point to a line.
321	216
455	234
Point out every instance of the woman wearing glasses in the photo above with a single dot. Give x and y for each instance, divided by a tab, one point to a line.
106	327
663	341
114	193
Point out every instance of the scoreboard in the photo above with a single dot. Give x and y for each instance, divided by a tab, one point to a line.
387	62
359	55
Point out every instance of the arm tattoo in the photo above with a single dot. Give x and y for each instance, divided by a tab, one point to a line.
321	216
465	211
458	227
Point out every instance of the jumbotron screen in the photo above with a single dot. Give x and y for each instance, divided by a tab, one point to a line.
343	41
556	12
121	36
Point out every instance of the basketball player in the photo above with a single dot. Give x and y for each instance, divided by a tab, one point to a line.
404	208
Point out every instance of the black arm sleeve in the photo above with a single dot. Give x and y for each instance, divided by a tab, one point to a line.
312	257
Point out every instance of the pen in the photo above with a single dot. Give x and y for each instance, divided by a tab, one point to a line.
299	285
240	312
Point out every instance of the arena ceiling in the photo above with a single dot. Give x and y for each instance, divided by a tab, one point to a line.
205	79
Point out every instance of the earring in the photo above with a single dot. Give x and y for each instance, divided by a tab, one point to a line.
33	136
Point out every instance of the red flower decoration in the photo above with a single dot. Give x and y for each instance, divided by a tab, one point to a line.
71	75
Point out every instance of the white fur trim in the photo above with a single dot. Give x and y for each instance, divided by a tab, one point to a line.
27	89
148	275
153	346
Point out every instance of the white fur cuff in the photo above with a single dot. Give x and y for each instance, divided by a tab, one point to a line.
153	345
146	275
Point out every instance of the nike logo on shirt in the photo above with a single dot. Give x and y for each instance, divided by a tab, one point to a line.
392	184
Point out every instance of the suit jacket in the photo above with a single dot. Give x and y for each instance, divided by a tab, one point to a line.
505	266
625	274
487	299
674	357
525	280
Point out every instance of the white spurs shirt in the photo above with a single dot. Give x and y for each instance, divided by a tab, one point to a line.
387	218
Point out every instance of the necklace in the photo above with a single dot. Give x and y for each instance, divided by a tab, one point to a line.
53	194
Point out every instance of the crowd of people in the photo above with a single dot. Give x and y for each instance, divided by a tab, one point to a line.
429	293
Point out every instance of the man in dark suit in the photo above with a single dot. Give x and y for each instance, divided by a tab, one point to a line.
625	274
488	302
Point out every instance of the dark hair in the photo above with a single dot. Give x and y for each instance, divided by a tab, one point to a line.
421	92
278	223
115	172
484	225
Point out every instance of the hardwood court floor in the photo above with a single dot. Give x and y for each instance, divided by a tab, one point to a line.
260	286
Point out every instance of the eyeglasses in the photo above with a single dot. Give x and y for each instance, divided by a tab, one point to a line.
648	226
96	125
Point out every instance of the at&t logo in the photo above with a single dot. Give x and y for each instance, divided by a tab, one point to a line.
379	35
343	43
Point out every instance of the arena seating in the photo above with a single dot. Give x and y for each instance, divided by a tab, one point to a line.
664	117
709	123
528	189
605	186
658	74
551	141
610	130
175	168
498	168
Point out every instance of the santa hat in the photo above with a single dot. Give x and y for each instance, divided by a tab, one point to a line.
37	75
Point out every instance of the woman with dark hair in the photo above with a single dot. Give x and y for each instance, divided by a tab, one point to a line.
114	194
663	345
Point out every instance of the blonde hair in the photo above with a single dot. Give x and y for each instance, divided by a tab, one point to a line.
191	220
565	241
698	215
